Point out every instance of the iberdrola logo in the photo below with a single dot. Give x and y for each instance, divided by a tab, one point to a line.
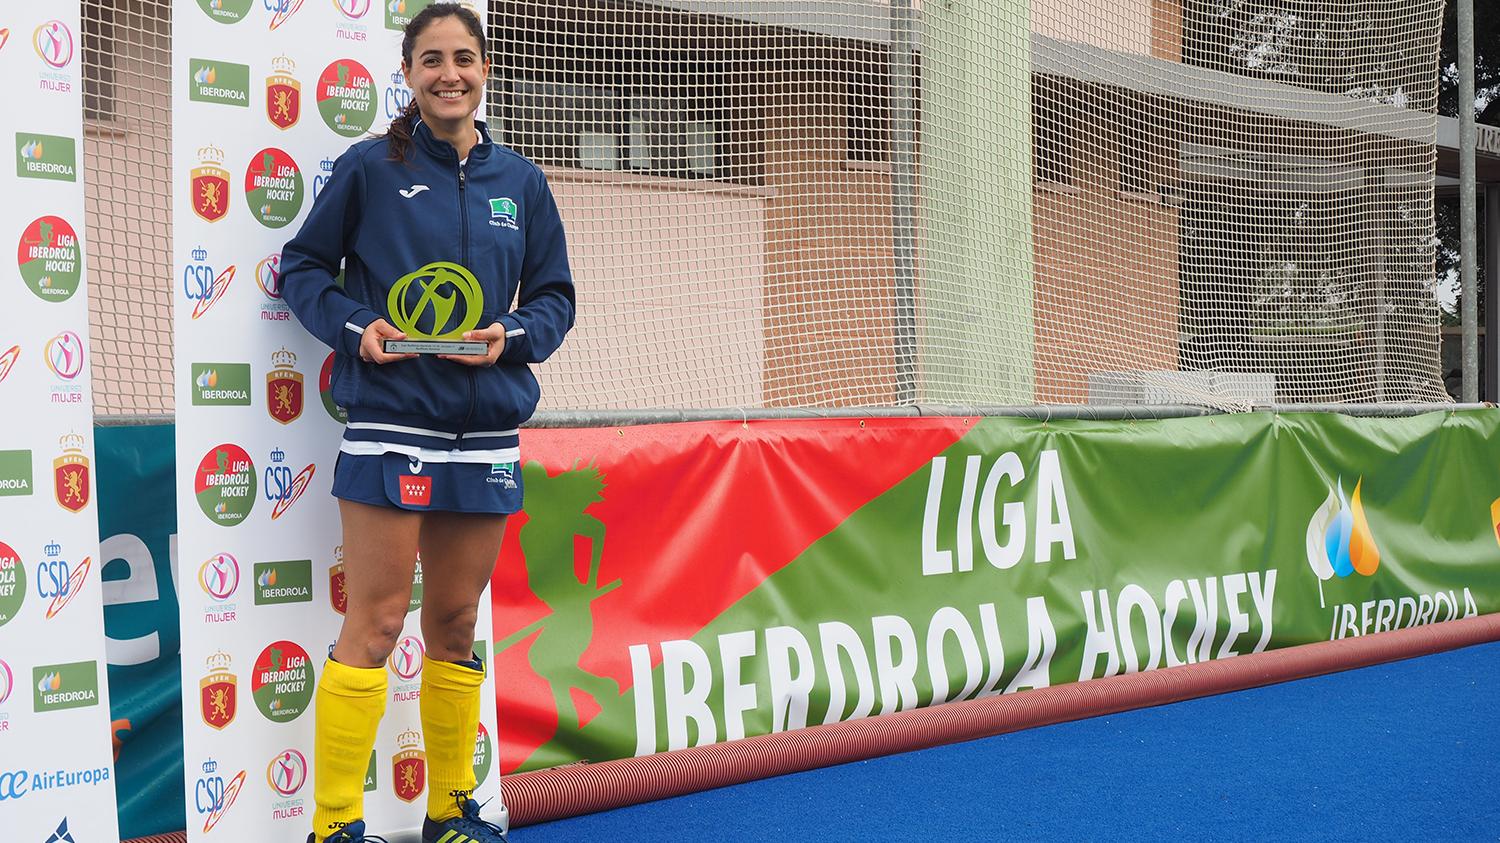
273	187
398	13
346	98
1339	539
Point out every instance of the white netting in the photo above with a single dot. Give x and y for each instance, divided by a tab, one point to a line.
876	202
127	122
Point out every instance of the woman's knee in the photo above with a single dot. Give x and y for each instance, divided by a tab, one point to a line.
451	628
374	636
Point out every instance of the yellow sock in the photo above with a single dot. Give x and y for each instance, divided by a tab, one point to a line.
350	702
450	725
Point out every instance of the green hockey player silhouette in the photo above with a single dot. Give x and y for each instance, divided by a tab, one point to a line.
555	518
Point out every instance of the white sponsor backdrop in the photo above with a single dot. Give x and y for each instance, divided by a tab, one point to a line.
254	134
56	770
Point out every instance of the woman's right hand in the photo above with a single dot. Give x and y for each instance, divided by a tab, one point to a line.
372	343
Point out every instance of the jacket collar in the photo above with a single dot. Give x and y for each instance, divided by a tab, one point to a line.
423	137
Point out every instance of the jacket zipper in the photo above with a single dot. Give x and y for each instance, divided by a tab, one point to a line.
463	221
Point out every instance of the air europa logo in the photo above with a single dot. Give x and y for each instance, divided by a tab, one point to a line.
1339	539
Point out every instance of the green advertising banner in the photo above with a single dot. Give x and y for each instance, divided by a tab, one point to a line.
137	529
677	585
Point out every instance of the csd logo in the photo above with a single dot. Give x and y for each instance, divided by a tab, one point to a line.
208	794
14	784
397	96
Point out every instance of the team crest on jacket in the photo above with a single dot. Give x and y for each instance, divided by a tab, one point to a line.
283	94
284	388
216	695
71	474
210	184
409	766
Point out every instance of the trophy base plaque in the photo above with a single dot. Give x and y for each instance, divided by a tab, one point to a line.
436	347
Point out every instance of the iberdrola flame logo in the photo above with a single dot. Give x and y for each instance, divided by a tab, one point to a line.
1338	538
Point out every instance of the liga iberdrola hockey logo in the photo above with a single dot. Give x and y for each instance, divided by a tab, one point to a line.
12	583
70	474
225	11
216	692
50	259
346	98
283	94
282	682
284	388
325	391
409	766
210	184
225	484
273	187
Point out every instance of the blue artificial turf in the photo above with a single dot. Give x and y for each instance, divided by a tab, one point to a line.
1403	751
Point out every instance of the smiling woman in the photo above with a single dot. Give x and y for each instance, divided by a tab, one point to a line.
435	230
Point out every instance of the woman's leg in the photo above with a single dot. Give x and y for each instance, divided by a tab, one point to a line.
380	556
458	556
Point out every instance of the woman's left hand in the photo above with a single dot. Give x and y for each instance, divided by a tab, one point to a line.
494	335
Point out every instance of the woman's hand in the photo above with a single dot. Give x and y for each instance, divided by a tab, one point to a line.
372	343
494	335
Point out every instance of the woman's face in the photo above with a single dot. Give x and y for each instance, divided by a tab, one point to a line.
447	72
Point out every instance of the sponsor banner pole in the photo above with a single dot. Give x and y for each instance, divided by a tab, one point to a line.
265	96
817	572
56	770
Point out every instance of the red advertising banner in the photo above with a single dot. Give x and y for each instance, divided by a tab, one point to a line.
649	533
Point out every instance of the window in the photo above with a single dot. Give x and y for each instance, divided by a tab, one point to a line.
1053	143
604	128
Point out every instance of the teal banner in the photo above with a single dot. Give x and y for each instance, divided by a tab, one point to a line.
137	523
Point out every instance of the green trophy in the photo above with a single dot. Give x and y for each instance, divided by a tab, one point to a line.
422	306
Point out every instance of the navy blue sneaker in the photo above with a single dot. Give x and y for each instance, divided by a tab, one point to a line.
468	828
352	833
